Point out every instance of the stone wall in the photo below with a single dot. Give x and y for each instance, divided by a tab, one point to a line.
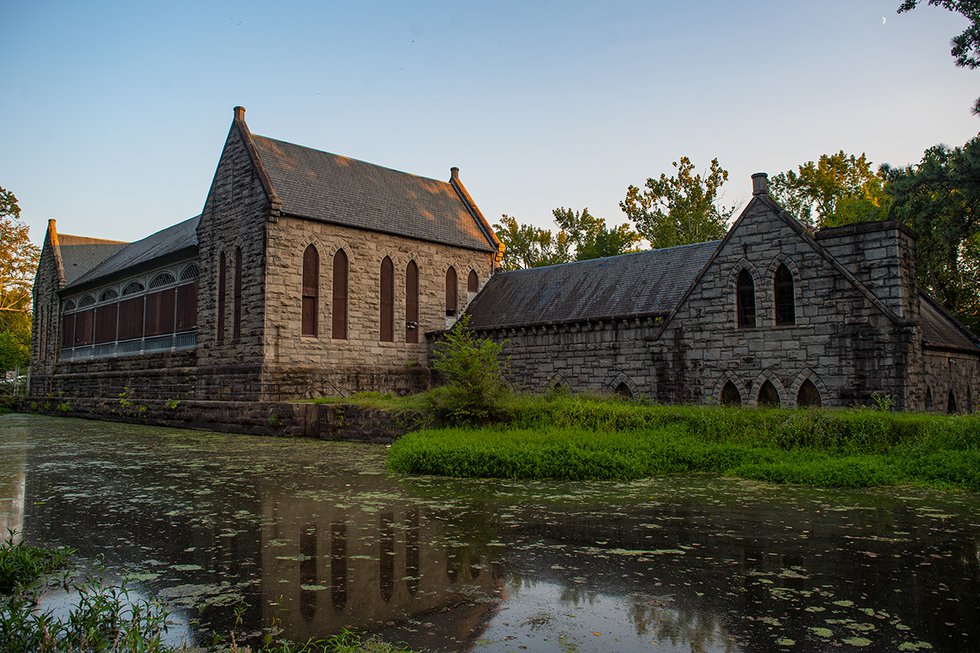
235	216
46	331
844	340
948	372
586	357
317	365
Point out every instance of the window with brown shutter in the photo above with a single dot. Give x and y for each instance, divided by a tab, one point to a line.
387	300
105	323
84	321
311	292
472	282
187	307
221	298
68	330
237	324
412	302
160	312
452	301
339	307
131	318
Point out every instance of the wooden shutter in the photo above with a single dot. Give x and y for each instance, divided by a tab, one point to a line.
387	300
160	312
412	302
311	290
472	282
187	307
131	318
221	298
237	319
452	300
105	323
339	308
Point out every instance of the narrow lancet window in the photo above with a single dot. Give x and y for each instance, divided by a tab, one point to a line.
339	306
412	302
311	294
237	325
221	298
785	297
745	299
452	301
387	300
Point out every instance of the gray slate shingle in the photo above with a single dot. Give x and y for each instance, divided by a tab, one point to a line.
332	188
938	328
80	254
181	236
647	282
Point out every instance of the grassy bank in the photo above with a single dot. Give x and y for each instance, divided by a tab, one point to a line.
592	439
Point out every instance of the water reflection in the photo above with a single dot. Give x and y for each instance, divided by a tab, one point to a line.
314	537
13	483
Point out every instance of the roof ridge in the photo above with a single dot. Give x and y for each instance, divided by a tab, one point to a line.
615	256
100	241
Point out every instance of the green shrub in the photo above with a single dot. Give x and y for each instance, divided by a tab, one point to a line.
474	391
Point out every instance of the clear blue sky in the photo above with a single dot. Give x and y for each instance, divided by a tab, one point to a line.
113	114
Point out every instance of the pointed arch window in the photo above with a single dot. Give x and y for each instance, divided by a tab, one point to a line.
930	406
768	395
472	284
808	395
785	296
339	305
311	293
730	396
412	302
387	300
452	299
221	298
745	299
951	403
237	322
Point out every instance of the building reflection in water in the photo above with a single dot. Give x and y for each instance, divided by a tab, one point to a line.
354	567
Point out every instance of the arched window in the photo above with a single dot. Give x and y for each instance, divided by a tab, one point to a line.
768	396
412	302
221	298
108	294
452	300
745	299
951	402
930	406
622	390
387	300
87	300
189	273
311	291
785	297
339	306
808	396
237	319
132	288
472	284
69	306
730	396
162	279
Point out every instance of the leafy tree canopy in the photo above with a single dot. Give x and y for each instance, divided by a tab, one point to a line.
836	189
939	200
18	263
965	47
681	209
579	236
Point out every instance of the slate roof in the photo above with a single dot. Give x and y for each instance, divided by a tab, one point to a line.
80	254
642	283
128	257
939	329
322	186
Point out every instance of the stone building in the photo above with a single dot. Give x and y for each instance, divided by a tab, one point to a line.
311	274
307	273
771	314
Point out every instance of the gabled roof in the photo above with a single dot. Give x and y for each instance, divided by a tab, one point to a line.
80	254
641	283
939	329
165	244
331	188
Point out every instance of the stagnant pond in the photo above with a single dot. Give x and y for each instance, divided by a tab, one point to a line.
315	536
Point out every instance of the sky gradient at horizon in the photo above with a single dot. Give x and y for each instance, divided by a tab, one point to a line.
114	113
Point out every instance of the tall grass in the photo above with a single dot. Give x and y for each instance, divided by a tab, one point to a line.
581	438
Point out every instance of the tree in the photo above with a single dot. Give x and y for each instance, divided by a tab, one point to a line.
965	47
939	200
18	262
837	189
526	246
475	390
591	237
681	209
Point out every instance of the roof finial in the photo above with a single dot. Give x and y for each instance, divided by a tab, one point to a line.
760	183
240	114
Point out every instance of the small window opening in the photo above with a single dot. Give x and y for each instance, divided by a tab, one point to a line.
745	298
785	298
730	396
808	396
768	396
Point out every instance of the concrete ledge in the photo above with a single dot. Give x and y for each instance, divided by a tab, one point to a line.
283	419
